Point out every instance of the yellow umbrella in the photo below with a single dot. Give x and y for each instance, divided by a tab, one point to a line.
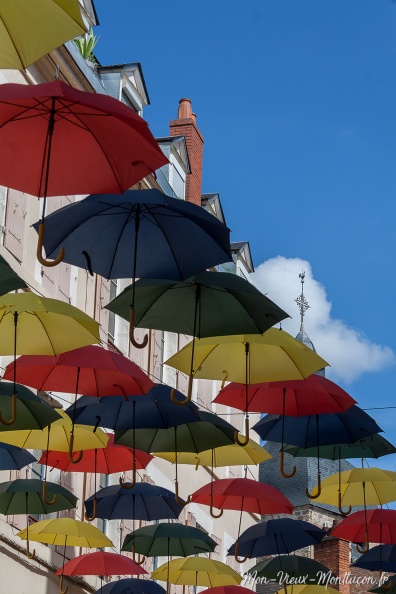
229	455
249	359
29	30
197	571
33	325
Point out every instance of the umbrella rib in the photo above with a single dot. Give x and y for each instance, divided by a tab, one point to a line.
129	218
170	247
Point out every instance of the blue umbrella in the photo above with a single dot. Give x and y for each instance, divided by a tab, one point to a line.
317	430
143	234
379	558
132	586
142	502
14	458
276	537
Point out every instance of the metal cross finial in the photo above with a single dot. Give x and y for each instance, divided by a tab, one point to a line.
301	301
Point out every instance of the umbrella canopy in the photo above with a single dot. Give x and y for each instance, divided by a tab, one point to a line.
314	395
142	502
371	525
107	460
284	568
378	558
131	586
197	571
9	280
101	563
89	370
14	458
172	540
207	304
31	411
24	496
389	584
277	537
372	446
29	30
66	532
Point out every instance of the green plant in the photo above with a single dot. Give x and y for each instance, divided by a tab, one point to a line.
86	44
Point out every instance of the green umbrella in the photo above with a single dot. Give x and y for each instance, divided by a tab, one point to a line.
31	411
9	280
388	584
283	568
373	446
171	540
207	304
24	496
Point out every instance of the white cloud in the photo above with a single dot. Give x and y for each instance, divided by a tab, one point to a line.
349	352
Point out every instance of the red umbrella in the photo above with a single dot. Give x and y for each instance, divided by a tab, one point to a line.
311	396
372	525
244	495
71	142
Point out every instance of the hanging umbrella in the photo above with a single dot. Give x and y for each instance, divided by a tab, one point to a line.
14	458
277	537
387	584
30	324
207	304
379	558
29	30
249	358
53	128
144	233
24	496
171	540
317	430
197	571
372	446
132	586
284	568
9	280
101	563
142	502
373	525
29	410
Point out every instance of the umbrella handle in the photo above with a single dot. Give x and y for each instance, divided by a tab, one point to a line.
128	485
137	345
282	471
342	512
382	585
80	454
180	501
137	560
224	379
61	586
44	495
319	491
243	442
364	548
30	555
93	517
211	509
40	257
243	559
13	412
189	393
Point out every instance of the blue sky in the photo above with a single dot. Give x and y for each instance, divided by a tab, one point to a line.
296	100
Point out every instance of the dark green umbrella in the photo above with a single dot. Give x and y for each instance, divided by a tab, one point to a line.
388	584
25	496
9	280
207	304
283	568
31	411
373	446
171	540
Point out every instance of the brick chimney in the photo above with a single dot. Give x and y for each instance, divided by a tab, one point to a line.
186	126
335	554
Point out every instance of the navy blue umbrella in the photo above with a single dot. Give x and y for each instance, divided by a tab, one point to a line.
379	558
142	502
14	458
276	537
317	430
132	586
143	234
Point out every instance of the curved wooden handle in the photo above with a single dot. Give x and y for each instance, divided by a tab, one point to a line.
93	517
243	559
319	491
189	393
13	412
342	512
30	555
364	548
281	468
137	560
61	586
44	495
211	509
389	584
73	460
180	501
243	442
40	257
125	485
137	345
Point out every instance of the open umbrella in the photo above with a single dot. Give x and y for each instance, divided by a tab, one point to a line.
9	280
379	558
197	571
144	233
24	496
284	568
101	563
53	128
131	586
30	324
207	304
30	411
387	584
369	525
29	30
14	458
248	359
